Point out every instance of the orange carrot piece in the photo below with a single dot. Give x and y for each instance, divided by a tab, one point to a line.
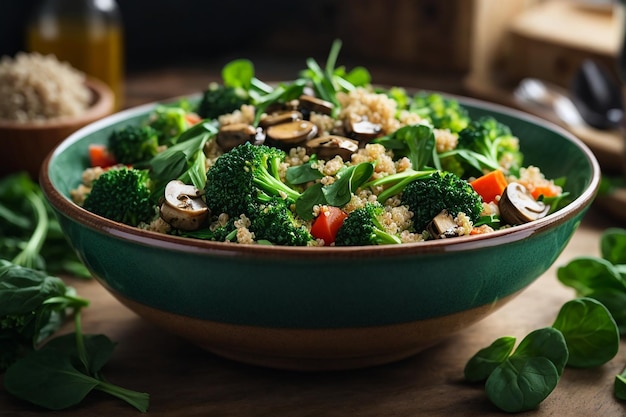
544	190
490	185
192	119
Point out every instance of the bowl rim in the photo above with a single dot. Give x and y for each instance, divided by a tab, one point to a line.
102	105
69	209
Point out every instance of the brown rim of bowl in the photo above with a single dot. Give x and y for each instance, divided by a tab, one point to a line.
101	106
148	238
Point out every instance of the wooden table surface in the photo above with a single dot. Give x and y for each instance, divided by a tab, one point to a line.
186	381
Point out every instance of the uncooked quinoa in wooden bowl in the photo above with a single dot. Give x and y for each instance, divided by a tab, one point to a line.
43	101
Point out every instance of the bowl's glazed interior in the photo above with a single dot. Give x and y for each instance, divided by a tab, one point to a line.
322	308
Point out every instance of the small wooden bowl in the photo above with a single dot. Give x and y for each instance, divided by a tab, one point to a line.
25	145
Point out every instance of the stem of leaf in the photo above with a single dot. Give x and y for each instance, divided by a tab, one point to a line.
139	400
28	256
80	341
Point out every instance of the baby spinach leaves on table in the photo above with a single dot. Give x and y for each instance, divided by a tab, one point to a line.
530	374
62	372
486	360
583	335
619	386
590	332
603	279
33	305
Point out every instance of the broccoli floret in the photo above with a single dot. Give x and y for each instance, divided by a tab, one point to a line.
218	99
169	122
122	195
246	181
363	227
442	112
273	221
246	175
485	145
428	196
133	144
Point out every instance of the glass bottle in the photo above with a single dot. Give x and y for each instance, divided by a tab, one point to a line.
86	33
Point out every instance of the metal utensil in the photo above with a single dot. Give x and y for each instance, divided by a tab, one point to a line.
597	96
549	100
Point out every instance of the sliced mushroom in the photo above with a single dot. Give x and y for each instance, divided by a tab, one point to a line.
280	117
517	205
313	104
327	147
286	135
235	134
442	226
362	130
183	207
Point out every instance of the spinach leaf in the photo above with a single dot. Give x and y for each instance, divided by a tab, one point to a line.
54	376
357	77
613	245
587	273
530	374
619	386
615	302
416	142
590	332
238	74
547	342
602	278
307	172
336	194
329	81
486	360
182	160
60	374
46	379
311	197
521	383
32	306
348	181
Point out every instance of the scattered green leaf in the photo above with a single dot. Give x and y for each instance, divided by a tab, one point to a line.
590	332
530	374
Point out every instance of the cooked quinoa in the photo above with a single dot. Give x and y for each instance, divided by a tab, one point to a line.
358	104
38	88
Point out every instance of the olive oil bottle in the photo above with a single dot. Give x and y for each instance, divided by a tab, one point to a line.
86	33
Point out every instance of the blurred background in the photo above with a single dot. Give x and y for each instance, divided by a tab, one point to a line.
479	48
423	43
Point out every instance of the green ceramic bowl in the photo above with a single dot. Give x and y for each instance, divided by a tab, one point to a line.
321	308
